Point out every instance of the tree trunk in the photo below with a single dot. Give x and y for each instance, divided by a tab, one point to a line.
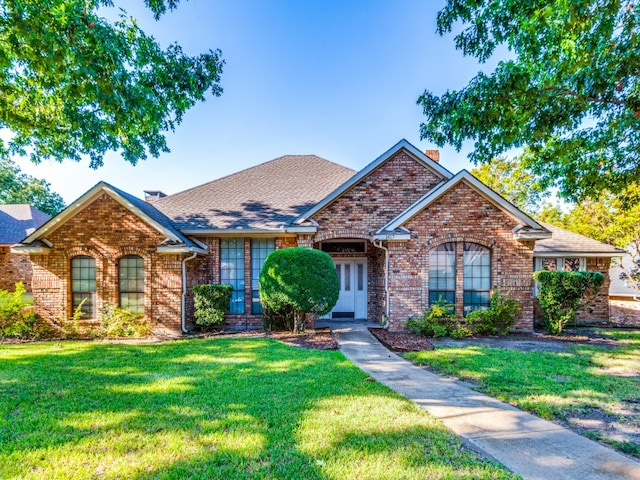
298	324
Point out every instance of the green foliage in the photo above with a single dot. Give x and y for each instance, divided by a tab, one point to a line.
560	295
70	327
609	218
11	305
17	321
283	319
17	187
75	84
211	303
299	278
120	322
513	181
497	319
569	92
437	321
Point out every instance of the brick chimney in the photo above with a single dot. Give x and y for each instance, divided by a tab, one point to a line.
433	155
151	196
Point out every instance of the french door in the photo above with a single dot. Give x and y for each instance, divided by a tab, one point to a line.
352	275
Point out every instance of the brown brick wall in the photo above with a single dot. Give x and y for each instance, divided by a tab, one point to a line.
596	309
14	267
367	206
377	198
106	231
206	269
461	215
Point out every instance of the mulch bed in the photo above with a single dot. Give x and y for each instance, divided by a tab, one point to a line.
401	341
318	339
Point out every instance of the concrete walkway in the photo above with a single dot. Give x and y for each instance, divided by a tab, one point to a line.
525	444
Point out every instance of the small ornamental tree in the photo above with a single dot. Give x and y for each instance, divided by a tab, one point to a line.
560	295
299	278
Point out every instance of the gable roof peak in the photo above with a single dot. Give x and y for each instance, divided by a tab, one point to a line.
403	144
535	229
143	210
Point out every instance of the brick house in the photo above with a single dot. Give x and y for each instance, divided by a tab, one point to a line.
16	222
402	231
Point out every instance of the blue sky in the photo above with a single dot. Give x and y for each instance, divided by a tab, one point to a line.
338	79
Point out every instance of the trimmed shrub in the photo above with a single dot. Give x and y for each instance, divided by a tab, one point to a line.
121	322
301	279
211	302
497	319
561	294
437	321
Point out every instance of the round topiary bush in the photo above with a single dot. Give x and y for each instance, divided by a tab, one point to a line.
299	278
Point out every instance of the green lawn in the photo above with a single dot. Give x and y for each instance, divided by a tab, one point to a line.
217	408
583	383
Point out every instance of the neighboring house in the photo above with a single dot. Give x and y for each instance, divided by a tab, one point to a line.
16	222
624	299
403	231
570	251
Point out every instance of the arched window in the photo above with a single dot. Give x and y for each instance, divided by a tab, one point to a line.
83	285
477	276
442	273
131	283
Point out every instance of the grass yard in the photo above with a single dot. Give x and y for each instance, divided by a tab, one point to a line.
595	390
216	408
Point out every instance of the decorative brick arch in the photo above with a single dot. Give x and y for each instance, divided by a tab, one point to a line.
342	233
434	242
88	251
132	250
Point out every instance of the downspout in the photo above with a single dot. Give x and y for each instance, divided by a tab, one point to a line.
184	292
386	275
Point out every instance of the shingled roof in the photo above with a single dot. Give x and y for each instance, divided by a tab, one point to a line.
19	220
265	197
564	242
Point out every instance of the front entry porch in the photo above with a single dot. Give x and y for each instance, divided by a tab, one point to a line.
358	265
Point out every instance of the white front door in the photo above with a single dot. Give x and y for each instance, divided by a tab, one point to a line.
352	275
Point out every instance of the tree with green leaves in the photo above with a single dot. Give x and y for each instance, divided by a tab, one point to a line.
300	279
74	84
18	187
568	90
513	181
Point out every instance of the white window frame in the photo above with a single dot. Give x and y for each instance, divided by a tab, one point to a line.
560	263
559	267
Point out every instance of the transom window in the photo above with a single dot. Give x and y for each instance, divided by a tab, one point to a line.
131	283
442	273
83	285
560	264
232	270
477	276
260	249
